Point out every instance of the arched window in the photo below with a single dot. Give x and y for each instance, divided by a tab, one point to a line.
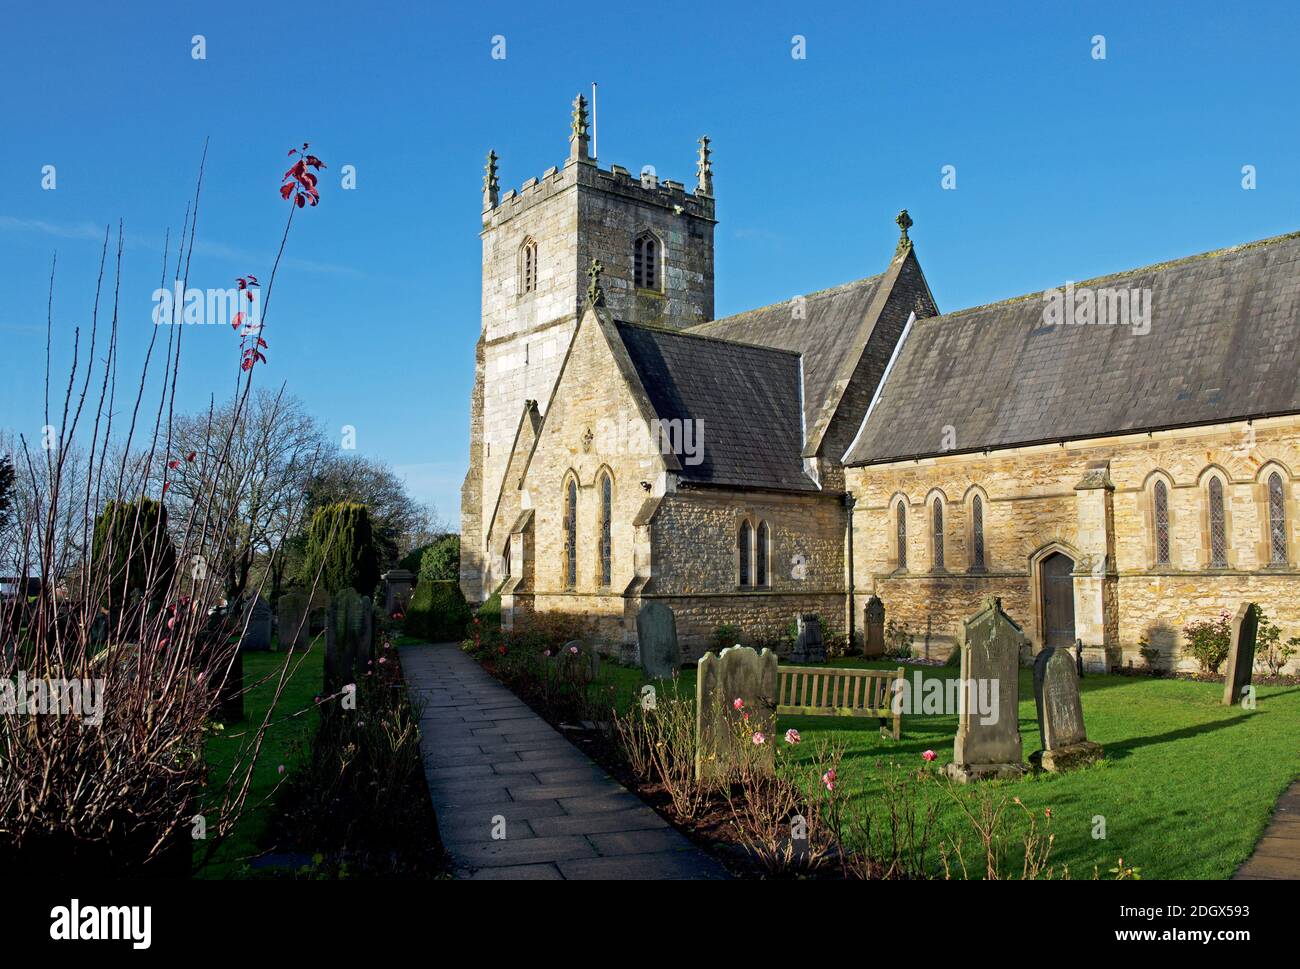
505	560
1160	508
645	261
901	525
528	266
977	534
606	517
744	539
1218	526
571	534
760	555
938	534
1276	520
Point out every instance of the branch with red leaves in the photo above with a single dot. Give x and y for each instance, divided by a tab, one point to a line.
298	181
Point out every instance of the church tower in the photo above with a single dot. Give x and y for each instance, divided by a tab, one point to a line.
655	242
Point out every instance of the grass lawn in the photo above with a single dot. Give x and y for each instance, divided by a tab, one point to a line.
1186	788
285	743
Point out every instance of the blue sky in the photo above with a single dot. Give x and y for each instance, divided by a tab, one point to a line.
1067	166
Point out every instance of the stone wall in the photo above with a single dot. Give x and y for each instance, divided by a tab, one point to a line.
1031	506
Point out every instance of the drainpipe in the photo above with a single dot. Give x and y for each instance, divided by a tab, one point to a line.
849	502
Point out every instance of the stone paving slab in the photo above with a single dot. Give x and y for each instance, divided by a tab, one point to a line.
1278	853
492	763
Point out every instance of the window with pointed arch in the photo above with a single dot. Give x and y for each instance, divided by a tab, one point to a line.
744	545
1160	519
979	562
606	524
900	532
528	266
571	534
761	553
646	259
1218	524
936	522
1276	520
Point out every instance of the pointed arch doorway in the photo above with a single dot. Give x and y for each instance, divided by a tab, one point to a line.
1056	591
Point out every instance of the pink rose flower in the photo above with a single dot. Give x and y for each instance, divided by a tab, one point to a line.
573	650
829	779
792	736
738	704
928	756
280	769
758	738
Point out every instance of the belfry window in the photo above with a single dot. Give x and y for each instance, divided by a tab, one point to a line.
528	267
645	261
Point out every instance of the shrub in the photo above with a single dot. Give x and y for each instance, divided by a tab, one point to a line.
341	549
412	559
489	614
1270	651
437	612
725	635
1208	640
441	560
1150	654
132	552
898	640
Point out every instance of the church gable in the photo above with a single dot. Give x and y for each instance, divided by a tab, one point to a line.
506	510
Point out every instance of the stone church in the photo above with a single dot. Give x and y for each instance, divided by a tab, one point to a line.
1114	459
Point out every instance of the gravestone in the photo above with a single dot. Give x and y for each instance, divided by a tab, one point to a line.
987	745
656	636
398	584
875	615
1060	713
725	738
585	657
294	622
257	626
809	647
349	639
1241	653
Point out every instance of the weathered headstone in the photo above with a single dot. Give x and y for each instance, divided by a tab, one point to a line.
656	636
398	584
257	626
809	646
1241	653
1095	659
584	656
725	737
988	739
875	642
1060	713
349	639
294	622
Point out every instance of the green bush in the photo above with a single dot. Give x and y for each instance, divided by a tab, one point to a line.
131	547
489	614
412	559
441	560
726	635
1208	641
437	612
341	548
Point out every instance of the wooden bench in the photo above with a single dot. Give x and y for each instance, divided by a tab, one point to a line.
820	691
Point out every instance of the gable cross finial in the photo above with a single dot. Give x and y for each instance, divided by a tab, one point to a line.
704	169
579	135
491	187
595	295
904	223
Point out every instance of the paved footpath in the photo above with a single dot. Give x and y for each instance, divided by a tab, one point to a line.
490	759
1278	853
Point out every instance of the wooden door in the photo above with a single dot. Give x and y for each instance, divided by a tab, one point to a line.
1058	599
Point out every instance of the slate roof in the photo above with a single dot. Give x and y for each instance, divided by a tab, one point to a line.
828	333
1224	344
746	397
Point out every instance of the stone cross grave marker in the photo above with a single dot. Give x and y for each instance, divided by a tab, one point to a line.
1060	713
656	636
809	647
724	737
1241	653
987	745
257	636
875	642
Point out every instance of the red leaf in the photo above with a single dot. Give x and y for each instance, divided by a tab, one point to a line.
239	318
173	464
246	365
261	342
301	200
191	455
293	151
166	485
285	190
